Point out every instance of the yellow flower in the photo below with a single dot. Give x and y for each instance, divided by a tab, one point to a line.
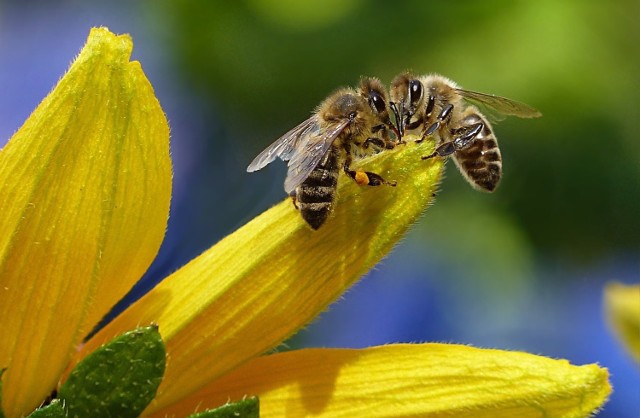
85	188
622	305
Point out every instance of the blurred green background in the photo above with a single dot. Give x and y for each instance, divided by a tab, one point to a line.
522	268
571	179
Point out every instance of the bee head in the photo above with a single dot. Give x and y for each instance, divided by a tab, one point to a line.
373	91
351	106
407	93
344	106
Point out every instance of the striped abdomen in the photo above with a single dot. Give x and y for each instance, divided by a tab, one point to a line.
314	197
481	162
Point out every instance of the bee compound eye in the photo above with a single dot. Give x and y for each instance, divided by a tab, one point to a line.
415	91
377	102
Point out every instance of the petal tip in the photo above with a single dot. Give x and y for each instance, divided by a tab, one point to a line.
102	38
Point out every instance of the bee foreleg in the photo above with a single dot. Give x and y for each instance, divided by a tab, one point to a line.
378	142
441	119
413	125
373	141
431	104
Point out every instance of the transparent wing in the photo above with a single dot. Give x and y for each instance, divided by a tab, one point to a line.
285	146
309	154
501	105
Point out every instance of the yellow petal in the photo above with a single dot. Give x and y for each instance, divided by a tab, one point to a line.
405	380
272	276
85	186
622	304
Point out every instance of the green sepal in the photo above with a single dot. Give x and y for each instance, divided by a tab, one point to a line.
54	410
246	408
119	379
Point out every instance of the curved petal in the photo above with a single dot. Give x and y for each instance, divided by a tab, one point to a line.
85	186
408	380
622	305
272	276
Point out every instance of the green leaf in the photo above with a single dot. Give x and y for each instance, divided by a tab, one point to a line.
246	408
54	410
119	379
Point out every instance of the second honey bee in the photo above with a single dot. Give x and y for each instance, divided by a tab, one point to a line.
319	148
434	104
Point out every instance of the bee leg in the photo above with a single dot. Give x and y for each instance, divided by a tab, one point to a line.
469	135
377	179
365	178
441	119
383	142
413	125
373	141
431	104
458	143
294	199
379	142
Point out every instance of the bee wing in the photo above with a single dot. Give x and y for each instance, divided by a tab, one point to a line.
501	105
310	153
285	146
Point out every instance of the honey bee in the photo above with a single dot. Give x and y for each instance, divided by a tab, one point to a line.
434	104
348	121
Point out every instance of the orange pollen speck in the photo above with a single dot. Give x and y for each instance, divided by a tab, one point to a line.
362	178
